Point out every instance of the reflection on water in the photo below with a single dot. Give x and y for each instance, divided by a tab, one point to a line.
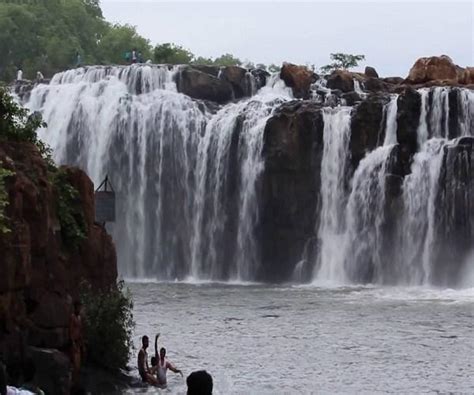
281	339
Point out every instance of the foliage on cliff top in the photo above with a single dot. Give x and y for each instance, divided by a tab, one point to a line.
108	326
341	61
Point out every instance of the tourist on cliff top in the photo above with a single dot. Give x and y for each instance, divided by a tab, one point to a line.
19	75
199	383
134	56
162	364
39	76
76	341
143	368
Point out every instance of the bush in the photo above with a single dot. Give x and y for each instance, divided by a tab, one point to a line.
4	228
68	207
108	326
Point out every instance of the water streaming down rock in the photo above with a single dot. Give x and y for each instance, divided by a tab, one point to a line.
392	197
333	172
185	176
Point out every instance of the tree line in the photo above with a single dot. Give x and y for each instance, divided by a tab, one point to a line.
52	35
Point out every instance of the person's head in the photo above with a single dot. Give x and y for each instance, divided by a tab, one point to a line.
199	383
162	352
145	341
3	380
77	307
154	361
29	370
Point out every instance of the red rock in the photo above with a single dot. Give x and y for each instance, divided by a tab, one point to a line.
466	77
433	68
299	78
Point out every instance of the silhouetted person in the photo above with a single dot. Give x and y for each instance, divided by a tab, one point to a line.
163	364
29	372
39	76
78	59
142	362
199	383
76	341
134	56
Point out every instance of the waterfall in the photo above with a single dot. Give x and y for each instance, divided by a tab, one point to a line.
333	167
391	121
185	174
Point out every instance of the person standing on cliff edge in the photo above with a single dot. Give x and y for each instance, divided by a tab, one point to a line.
76	340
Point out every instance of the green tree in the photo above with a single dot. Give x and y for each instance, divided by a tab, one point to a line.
170	53
227	60
120	39
342	61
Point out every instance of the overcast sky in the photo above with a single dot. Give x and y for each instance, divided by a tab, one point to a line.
392	35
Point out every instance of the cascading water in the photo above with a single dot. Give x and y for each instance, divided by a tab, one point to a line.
185	176
333	167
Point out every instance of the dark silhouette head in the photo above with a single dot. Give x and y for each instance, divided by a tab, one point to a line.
145	341
162	352
154	361
199	383
3	380
29	370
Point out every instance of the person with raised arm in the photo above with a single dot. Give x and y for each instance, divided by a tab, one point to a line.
162	364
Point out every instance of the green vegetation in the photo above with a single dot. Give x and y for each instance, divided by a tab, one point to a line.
4	173
47	35
108	326
342	61
69	210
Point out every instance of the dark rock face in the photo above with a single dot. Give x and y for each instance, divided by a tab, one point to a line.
40	275
292	152
239	79
371	72
260	76
408	118
199	85
456	217
299	78
367	130
342	80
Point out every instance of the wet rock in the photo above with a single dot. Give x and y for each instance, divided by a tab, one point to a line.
434	68
53	371
371	72
239	79
366	127
408	118
377	85
342	80
199	85
393	80
351	98
299	78
260	77
292	152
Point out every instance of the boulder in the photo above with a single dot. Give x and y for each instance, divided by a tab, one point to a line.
466	77
434	68
199	85
393	80
53	370
239	79
342	80
377	85
371	72
299	78
260	77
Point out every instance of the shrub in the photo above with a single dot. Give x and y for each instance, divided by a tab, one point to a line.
4	228
108	326
70	214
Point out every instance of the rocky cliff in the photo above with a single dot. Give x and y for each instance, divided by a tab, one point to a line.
41	270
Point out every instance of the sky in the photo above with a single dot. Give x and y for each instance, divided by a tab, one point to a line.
391	35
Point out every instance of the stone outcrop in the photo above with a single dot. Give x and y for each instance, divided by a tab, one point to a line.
292	153
342	80
203	86
298	78
371	72
40	272
432	69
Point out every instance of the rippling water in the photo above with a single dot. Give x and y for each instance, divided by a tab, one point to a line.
260	339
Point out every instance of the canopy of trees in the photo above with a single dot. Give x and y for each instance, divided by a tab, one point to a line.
46	36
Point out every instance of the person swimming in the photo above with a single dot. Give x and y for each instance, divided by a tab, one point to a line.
142	361
162	364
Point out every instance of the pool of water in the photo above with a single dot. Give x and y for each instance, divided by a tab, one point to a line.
261	339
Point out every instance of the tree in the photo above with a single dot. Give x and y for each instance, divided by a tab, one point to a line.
227	60
120	39
172	54
341	61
